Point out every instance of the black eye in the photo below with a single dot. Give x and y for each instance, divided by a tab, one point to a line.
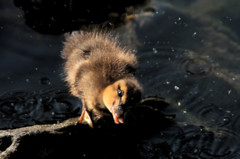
120	93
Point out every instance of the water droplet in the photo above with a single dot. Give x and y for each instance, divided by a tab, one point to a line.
27	80
176	88
228	111
45	81
184	112
195	150
229	18
194	34
226	120
179	104
134	50
155	50
229	92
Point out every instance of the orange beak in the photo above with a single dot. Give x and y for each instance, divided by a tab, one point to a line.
116	113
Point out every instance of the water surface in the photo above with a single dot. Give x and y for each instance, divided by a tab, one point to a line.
188	54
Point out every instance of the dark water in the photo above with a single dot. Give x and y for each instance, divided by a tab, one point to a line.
189	54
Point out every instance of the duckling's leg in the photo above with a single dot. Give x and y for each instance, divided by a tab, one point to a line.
85	117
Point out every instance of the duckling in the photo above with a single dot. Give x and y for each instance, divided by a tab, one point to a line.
100	73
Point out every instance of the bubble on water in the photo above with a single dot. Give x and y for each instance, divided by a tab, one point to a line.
229	92
134	51
196	150
178	20
176	88
226	120
194	34
27	80
229	18
45	81
154	50
179	104
228	111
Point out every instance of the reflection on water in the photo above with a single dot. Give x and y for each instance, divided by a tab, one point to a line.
188	53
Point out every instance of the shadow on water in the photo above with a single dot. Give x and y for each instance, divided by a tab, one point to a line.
188	54
56	17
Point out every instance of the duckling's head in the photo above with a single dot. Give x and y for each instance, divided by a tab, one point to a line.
120	95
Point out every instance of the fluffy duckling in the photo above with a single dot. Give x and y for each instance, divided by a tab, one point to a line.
101	74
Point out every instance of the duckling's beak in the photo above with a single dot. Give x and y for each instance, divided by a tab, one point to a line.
117	113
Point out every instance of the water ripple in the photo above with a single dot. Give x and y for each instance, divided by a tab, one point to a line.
23	108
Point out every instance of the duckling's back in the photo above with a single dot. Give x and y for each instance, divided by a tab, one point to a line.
95	60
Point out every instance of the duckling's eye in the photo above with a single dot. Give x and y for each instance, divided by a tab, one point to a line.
120	93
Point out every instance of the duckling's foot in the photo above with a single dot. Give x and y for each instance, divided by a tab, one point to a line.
85	118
